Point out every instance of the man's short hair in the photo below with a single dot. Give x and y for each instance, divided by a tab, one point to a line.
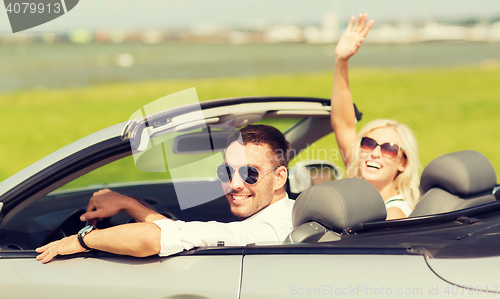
264	134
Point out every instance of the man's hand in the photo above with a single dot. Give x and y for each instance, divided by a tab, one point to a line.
105	203
68	245
352	38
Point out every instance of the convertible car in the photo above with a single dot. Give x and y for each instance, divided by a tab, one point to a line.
341	244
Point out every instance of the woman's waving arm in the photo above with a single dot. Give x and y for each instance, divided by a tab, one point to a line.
343	119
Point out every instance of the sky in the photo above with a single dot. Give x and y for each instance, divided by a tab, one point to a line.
172	14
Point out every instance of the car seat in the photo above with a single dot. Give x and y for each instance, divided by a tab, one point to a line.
322	212
456	181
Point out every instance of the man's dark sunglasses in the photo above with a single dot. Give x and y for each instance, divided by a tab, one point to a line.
389	150
248	174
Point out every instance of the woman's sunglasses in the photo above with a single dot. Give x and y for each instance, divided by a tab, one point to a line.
248	174
389	150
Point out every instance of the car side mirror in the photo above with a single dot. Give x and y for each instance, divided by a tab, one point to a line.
305	174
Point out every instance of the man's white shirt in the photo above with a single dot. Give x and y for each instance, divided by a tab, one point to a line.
271	224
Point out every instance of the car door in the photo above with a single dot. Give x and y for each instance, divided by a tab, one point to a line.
320	271
90	275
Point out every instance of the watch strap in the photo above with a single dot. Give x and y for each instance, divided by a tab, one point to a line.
80	239
82	233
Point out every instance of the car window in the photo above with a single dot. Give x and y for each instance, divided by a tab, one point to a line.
159	162
323	149
162	162
123	170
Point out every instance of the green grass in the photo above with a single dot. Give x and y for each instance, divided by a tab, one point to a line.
449	109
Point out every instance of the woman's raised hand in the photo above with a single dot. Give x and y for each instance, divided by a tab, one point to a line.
353	36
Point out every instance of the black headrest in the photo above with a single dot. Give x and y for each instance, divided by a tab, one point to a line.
339	204
461	173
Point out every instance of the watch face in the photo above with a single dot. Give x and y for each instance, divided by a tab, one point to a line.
85	230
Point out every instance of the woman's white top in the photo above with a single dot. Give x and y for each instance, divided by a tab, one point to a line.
398	202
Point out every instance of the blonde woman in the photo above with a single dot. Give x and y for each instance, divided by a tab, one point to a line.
384	152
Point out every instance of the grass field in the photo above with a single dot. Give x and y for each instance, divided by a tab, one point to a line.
449	109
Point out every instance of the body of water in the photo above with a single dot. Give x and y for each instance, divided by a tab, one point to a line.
71	65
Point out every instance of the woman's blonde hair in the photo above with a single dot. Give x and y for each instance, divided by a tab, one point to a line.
406	181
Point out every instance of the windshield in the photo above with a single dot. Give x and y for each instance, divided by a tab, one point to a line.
164	160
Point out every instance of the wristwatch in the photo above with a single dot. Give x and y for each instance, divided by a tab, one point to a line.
82	233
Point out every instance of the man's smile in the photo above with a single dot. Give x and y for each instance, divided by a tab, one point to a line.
239	198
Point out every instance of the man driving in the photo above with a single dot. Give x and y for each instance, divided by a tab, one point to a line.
253	177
